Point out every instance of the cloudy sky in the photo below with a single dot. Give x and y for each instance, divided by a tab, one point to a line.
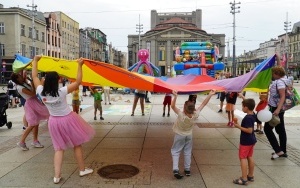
258	20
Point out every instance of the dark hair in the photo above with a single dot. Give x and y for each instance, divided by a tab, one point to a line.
193	98
51	84
14	77
189	107
249	103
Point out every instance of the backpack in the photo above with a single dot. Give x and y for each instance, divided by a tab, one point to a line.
10	85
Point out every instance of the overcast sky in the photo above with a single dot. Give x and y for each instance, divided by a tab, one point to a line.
258	20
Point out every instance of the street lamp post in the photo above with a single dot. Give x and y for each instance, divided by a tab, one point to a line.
287	26
139	28
34	13
233	11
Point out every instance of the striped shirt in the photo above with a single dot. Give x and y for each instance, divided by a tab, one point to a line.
275	85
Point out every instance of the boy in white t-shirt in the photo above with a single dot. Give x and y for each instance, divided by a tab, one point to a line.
183	129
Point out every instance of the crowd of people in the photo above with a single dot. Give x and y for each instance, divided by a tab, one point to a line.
44	100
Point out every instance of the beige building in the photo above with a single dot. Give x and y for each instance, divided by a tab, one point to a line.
69	30
294	49
162	40
17	35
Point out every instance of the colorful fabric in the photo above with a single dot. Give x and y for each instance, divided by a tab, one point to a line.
100	73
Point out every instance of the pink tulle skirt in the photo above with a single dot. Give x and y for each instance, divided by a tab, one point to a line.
35	111
69	131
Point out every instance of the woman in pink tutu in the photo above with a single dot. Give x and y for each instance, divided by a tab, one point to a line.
35	111
67	129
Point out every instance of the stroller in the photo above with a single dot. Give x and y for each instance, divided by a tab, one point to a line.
4	101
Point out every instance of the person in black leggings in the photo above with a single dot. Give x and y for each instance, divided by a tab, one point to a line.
277	88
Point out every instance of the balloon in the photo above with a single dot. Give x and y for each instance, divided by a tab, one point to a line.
264	115
143	55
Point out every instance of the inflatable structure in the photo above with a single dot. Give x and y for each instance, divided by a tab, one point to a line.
144	66
199	58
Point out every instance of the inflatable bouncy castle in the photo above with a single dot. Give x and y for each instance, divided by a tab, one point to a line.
199	58
144	66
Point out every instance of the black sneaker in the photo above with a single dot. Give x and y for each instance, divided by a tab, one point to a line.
95	118
163	114
168	115
187	172
101	118
80	109
220	111
177	174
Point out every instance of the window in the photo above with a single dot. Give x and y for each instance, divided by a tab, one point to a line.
37	34
31	49
2	28
43	52
30	32
23	49
48	38
22	30
2	47
43	37
37	50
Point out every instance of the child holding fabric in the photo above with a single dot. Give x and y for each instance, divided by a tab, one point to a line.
183	128
97	102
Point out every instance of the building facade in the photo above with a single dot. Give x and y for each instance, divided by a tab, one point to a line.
294	49
70	36
54	35
20	33
163	39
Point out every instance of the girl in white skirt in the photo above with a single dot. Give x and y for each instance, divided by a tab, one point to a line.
35	111
67	129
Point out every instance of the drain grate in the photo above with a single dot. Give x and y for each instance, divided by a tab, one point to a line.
118	171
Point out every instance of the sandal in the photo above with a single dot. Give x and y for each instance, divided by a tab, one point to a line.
240	181
132	114
250	178
143	114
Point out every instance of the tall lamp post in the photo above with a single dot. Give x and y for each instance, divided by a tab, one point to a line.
139	28
34	13
287	26
234	10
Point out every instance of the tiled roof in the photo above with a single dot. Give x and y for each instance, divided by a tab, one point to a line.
175	22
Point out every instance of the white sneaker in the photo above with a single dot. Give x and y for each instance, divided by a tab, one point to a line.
85	172
37	144
56	180
274	156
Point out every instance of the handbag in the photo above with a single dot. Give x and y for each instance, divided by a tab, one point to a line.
274	121
292	97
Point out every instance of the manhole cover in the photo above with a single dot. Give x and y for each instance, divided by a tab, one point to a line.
118	171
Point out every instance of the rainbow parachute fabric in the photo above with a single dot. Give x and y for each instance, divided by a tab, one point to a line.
100	73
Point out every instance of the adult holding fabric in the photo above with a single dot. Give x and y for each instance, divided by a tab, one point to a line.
276	101
67	129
